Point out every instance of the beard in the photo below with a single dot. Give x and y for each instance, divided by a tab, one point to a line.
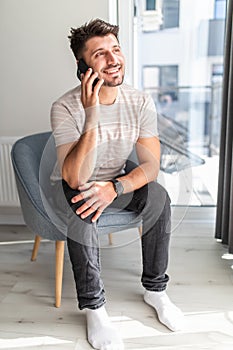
116	82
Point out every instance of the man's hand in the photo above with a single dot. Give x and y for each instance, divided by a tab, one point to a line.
89	96
97	196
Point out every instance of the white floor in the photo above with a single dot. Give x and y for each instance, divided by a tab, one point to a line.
196	186
201	285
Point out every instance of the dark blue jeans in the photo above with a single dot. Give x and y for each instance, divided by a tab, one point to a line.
152	203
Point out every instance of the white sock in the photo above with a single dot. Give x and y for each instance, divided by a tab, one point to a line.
101	333
168	314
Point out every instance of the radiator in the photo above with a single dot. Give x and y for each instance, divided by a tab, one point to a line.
8	190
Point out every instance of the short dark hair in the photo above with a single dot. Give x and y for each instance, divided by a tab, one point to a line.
95	27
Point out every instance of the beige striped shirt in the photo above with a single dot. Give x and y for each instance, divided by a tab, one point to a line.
132	116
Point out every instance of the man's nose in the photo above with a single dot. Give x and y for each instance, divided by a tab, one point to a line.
111	58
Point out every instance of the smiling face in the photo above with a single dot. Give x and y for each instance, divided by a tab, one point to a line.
103	54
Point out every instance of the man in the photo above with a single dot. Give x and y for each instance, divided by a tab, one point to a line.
95	128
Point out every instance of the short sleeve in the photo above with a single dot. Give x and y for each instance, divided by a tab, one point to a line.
148	119
63	123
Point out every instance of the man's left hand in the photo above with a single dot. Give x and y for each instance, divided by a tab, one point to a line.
97	195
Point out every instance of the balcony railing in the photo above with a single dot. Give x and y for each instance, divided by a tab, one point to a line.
194	110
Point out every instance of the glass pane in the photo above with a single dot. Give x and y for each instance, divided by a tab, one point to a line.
220	8
150	5
169	76
170	13
183	70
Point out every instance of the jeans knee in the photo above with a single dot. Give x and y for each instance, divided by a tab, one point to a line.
157	191
159	201
165	216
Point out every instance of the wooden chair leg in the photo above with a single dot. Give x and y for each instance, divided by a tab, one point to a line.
110	240
60	246
35	248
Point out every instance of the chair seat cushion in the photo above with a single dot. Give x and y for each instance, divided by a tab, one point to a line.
113	220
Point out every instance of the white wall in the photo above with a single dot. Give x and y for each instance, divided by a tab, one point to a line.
36	63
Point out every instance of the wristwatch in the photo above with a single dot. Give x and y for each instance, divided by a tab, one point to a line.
118	187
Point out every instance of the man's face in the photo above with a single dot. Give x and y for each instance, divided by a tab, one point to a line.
103	55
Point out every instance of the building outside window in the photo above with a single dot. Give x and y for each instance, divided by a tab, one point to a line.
179	61
158	14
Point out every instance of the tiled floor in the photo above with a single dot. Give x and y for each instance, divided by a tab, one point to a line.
201	285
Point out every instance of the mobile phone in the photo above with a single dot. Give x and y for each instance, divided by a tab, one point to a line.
82	68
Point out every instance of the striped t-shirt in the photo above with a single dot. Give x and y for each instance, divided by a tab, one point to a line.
132	116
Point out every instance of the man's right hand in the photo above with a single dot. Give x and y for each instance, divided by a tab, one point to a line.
89	96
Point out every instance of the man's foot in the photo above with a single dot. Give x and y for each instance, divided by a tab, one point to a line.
168	314
101	333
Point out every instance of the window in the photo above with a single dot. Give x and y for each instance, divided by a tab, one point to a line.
220	9
164	14
184	81
150	5
160	76
168	76
170	10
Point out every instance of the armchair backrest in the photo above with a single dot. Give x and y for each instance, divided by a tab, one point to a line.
28	154
26	157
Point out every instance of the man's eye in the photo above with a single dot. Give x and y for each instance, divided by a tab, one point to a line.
99	54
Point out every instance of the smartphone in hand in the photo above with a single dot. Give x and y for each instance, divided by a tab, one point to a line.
82	68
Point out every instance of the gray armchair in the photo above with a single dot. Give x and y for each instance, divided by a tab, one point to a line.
33	158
